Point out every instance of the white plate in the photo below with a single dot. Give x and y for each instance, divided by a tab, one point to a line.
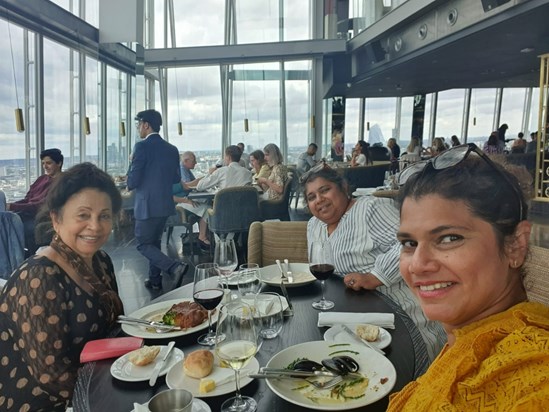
198	406
176	379
155	312
364	191
272	311
124	370
372	365
337	334
300	272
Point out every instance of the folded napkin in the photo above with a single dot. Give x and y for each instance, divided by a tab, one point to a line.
263	305
137	407
384	320
221	376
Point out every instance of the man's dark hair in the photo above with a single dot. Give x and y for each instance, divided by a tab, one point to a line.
152	117
234	153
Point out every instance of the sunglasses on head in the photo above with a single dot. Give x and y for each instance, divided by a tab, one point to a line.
452	157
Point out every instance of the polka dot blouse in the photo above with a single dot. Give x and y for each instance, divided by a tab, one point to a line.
45	320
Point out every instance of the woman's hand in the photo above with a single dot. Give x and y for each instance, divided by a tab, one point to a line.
357	281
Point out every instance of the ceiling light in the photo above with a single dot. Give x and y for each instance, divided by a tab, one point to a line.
527	50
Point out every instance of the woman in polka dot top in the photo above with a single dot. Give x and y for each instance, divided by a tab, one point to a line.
60	298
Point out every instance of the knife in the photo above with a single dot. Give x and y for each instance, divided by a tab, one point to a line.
161	363
289	274
290	310
357	339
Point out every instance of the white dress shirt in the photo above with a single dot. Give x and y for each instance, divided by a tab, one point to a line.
226	176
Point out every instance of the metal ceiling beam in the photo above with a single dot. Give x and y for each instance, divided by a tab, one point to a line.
242	53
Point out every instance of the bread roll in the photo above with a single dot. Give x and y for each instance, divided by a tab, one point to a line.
144	355
368	332
198	364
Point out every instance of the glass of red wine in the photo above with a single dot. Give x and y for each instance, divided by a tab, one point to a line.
321	265
208	292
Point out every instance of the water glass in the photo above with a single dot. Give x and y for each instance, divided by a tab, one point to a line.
269	312
248	279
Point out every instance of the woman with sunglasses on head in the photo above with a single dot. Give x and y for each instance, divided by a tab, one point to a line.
464	245
362	233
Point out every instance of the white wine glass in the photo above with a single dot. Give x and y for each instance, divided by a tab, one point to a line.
321	265
208	292
226	258
236	344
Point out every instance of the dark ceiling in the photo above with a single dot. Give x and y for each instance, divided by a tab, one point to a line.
483	56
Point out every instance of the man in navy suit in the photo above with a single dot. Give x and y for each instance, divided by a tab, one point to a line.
153	171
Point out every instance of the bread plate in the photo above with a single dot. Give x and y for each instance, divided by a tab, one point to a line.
124	370
176	379
337	334
155	312
300	273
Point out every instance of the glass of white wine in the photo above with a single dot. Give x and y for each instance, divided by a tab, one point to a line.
236	344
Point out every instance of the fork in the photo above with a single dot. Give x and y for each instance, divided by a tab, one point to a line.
290	310
326	384
160	327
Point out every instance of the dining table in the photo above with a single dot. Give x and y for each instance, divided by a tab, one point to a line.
97	390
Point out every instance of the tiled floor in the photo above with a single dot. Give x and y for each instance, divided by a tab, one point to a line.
131	268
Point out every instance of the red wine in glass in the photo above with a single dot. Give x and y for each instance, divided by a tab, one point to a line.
322	271
208	298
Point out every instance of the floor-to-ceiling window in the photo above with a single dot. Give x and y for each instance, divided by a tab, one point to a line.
117	161
92	108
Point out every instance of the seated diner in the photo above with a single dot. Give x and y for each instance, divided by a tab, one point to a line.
362	231
273	186
463	252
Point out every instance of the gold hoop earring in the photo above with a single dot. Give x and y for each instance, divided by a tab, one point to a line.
514	265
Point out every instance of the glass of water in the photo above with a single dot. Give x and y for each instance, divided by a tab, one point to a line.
248	280
268	310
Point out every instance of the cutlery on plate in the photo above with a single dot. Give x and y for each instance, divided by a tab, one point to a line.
143	321
288	372
358	339
161	363
161	328
290	310
319	384
289	274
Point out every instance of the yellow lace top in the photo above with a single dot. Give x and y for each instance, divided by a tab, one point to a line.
500	363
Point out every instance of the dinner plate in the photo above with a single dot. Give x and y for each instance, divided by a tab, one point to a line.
377	368
300	272
124	370
176	379
337	334
155	312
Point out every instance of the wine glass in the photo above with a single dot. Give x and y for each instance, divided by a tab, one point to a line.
207	292
322	267
236	344
226	258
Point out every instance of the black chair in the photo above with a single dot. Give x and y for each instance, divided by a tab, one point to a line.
234	210
182	218
278	209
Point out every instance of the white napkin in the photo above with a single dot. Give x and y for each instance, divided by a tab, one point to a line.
137	407
384	320
221	376
263	305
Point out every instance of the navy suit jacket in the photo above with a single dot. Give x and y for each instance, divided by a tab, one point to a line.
153	171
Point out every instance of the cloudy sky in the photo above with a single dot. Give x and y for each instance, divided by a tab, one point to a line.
195	93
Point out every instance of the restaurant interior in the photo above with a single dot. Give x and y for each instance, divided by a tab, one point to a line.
264	71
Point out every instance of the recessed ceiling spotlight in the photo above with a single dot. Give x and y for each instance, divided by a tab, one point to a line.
527	50
452	17
422	31
398	44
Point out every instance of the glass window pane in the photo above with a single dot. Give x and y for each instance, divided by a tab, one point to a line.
512	111
352	107
194	99
203	27
117	159
257	21
93	139
380	117
59	103
534	112
449	114
257	100
481	115
298	110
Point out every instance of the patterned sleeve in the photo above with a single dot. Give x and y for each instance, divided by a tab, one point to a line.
383	221
40	310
